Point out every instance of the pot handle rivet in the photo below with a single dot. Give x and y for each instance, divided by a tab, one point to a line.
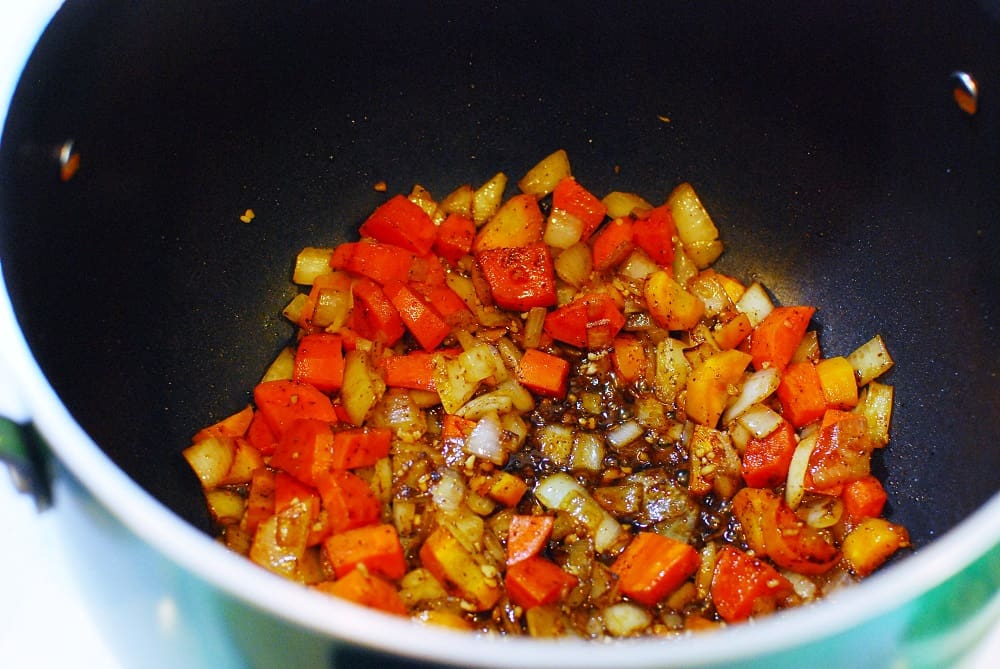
965	91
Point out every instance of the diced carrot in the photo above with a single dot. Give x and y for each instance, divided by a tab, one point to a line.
743	585
800	393
420	318
454	237
415	370
766	459
284	401
260	499
374	317
319	361
235	425
543	373
574	199
840	387
774	340
377	547
289	491
348	500
733	332
305	450
427	272
653	565
773	530
260	436
366	589
402	223
374	260
536	581
612	244
519	278
655	235
360	447
527	536
864	498
629	358
842	452
591	321
452	308
831	416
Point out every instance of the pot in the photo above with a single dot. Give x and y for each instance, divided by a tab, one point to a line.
825	140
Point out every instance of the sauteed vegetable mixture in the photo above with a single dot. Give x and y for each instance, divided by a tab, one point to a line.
548	415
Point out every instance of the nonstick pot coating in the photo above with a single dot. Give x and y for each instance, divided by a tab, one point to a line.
823	139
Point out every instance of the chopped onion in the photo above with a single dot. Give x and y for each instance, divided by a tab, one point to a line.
870	360
638	265
449	491
561	491
625	619
756	389
485	440
574	264
563	229
556	442
804	587
755	303
759	420
824	511
310	263
624	434
795	486
740	436
588	452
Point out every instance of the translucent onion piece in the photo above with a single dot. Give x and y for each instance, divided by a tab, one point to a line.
485	441
756	389
625	619
795	486
870	360
759	420
755	303
638	266
588	452
449	491
562	230
574	265
624	434
561	491
821	512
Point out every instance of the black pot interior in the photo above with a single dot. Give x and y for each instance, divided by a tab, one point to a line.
822	136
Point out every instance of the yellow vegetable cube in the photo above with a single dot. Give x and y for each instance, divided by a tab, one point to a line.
458	570
708	385
836	376
871	543
669	304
